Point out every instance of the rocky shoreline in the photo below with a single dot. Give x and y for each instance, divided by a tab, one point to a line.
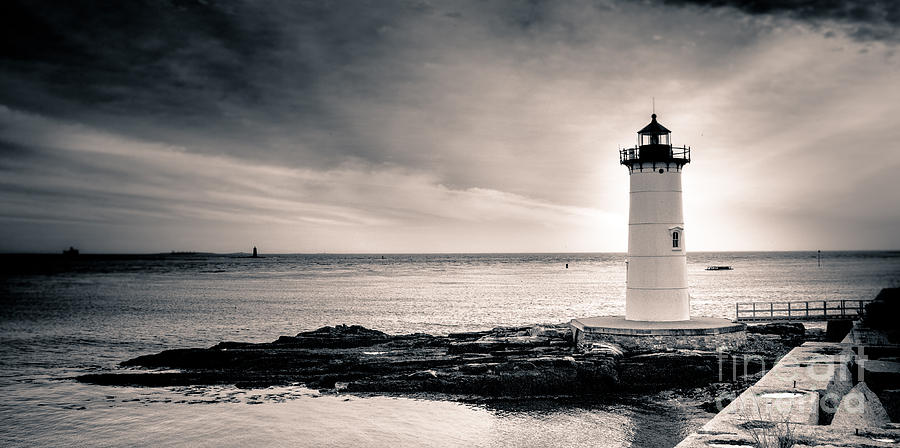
501	363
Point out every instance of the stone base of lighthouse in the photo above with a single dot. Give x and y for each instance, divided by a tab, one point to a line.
698	333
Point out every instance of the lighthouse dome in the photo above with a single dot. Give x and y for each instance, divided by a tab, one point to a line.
654	128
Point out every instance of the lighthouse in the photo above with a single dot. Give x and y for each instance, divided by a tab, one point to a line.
656	273
657	304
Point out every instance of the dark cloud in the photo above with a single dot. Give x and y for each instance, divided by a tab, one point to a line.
115	54
231	68
313	83
864	20
317	83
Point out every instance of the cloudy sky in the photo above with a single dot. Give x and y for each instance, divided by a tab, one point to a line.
442	126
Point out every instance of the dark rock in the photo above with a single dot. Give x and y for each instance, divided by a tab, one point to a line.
836	330
340	336
881	313
287	340
468	335
343	331
492	344
511	330
422	375
506	361
683	368
769	346
512	353
477	368
814	334
890	398
779	328
602	349
888	295
879	374
560	332
503	362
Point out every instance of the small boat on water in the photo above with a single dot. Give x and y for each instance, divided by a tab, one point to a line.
70	252
719	268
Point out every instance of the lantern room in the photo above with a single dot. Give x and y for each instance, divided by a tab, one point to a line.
654	147
654	134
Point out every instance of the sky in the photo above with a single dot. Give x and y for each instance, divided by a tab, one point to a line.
442	126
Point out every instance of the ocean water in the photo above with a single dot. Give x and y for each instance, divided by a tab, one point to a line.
61	317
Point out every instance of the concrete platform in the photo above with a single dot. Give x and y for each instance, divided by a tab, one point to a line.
699	333
618	325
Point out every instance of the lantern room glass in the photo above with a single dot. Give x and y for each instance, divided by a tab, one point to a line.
654	139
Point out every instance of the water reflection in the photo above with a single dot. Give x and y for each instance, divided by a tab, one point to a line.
64	413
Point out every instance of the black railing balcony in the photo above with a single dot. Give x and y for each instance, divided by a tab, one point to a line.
655	153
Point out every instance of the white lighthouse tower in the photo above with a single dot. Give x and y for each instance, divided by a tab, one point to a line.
657	304
657	288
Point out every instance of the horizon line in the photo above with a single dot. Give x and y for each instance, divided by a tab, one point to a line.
262	254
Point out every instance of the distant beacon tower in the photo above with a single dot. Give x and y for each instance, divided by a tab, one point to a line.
657	288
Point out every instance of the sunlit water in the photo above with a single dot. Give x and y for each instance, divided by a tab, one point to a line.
69	317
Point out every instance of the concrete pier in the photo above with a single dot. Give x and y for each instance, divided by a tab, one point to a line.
797	400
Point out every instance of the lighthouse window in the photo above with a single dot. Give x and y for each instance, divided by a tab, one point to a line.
675	240
653	139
